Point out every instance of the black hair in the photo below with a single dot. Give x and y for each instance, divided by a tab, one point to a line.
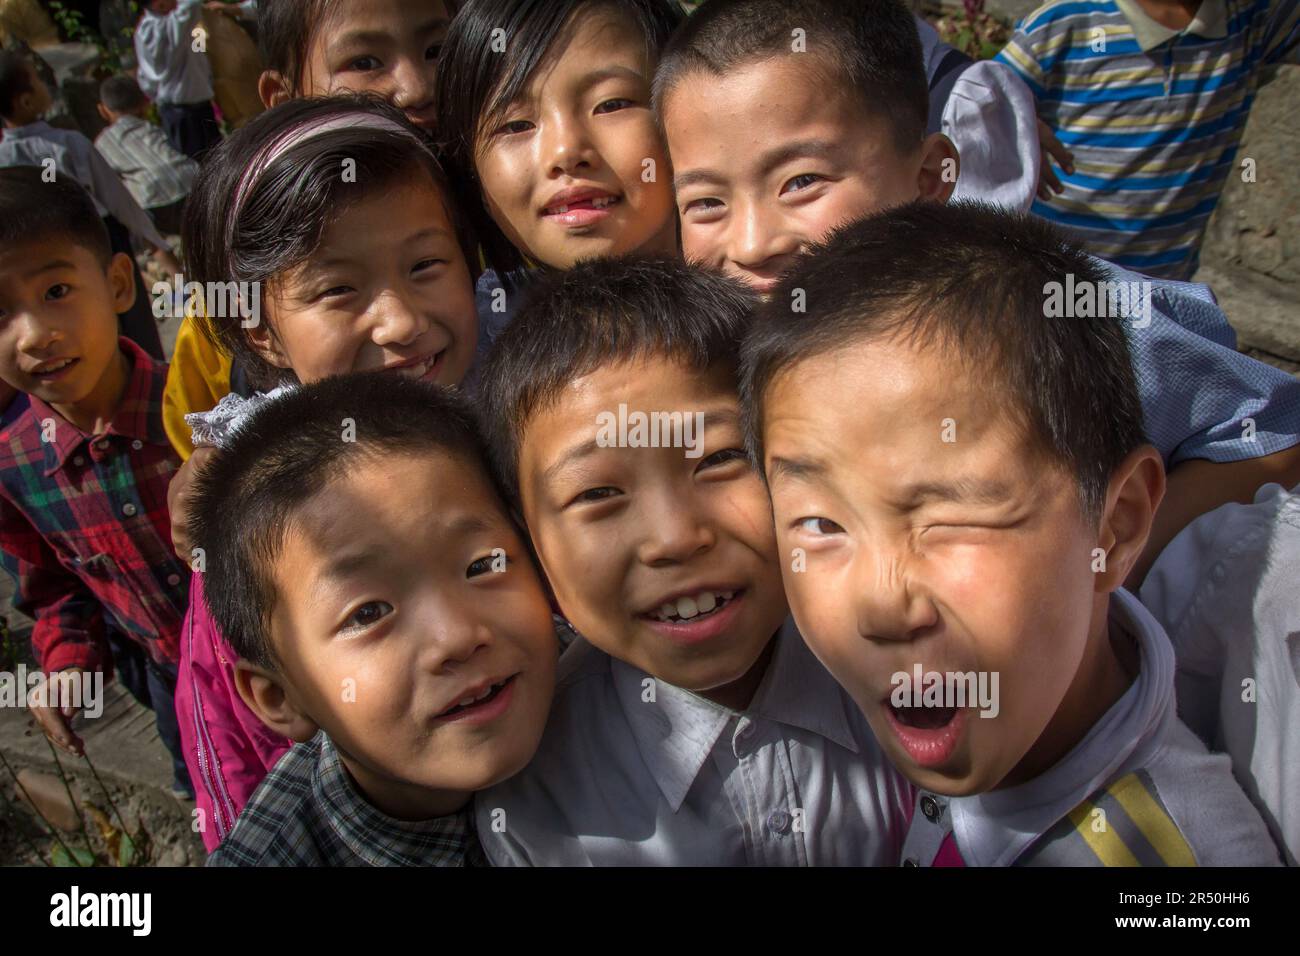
976	281
32	210
868	47
245	498
476	80
121	93
15	80
600	312
285	29
287	210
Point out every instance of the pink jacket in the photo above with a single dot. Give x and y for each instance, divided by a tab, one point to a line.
227	748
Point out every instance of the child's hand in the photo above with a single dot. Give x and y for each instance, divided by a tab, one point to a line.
178	502
1051	148
220	7
168	261
56	721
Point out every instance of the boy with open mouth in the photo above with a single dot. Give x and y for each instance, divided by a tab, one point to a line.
969	484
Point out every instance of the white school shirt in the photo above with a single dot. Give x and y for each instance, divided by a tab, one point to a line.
151	168
1176	781
74	155
633	771
1227	588
171	72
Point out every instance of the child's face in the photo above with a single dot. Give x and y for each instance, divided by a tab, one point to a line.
624	533
163	7
932	534
37	100
562	168
767	161
386	47
395	605
58	318
388	288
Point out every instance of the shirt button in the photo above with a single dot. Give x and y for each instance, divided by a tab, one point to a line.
102	444
930	807
79	460
778	821
129	509
137	444
173	579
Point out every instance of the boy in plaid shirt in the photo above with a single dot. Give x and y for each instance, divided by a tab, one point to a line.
386	617
84	468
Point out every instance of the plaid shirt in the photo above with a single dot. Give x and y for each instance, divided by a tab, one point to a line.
84	526
307	812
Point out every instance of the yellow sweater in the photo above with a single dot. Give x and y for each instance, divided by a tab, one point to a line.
198	378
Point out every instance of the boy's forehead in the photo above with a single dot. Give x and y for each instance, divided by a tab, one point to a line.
25	261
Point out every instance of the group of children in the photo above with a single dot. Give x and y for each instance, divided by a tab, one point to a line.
439	617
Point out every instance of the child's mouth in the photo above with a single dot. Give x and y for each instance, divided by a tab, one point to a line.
491	703
49	371
929	735
696	617
581	212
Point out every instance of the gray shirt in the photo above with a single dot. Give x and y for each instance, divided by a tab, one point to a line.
635	771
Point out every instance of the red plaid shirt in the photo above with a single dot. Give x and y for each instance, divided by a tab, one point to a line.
84	527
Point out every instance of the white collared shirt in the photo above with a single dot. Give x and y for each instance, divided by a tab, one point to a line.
171	71
635	771
1140	734
1227	588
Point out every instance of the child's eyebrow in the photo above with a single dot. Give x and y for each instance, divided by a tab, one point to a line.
967	489
785	153
614	72
378	37
54	266
795	469
576	453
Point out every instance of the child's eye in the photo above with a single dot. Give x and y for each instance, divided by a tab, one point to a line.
58	290
610	106
433	52
486	563
801	182
723	457
704	205
596	494
515	126
368	614
334	292
823	526
426	264
364	64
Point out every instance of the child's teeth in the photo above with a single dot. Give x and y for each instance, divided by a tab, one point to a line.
686	607
561	210
707	602
668	610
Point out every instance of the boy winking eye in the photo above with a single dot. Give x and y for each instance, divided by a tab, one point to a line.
387	619
970	484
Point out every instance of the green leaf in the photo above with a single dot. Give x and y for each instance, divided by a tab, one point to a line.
125	851
80	856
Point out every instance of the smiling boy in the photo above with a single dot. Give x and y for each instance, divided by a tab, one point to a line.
691	723
386	617
970	485
772	149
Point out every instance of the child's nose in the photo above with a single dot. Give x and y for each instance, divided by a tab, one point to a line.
34	335
398	321
458	634
888	604
759	240
675	533
566	146
413	84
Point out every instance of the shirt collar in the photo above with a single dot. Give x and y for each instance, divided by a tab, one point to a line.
375	837
994	828
677	730
1211	22
26	132
138	414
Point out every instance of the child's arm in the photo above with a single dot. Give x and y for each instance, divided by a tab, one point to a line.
1028	55
1199	486
69	631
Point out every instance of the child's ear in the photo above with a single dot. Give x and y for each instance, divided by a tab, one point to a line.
264	694
940	166
273	89
121	282
1136	488
104	114
263	341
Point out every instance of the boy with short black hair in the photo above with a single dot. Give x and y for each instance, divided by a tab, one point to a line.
29	141
691	724
767	164
970	483
387	618
156	174
84	469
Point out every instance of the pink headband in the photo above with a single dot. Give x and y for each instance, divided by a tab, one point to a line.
295	135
